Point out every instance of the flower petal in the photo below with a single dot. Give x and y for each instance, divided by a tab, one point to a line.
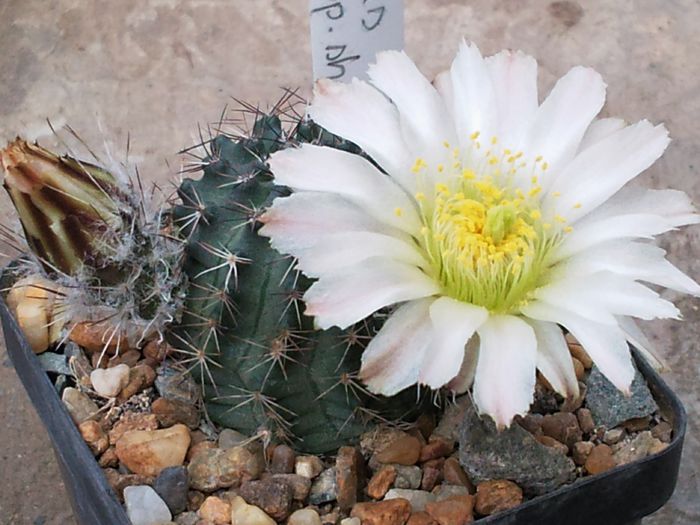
394	356
637	339
318	168
637	260
454	322
425	123
351	294
599	171
361	114
505	374
564	116
332	252
606	344
465	378
554	359
474	105
514	77
599	129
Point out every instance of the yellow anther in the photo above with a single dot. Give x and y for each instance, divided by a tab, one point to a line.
545	166
534	179
446	144
546	226
440	168
536	214
568	229
398	212
578	205
420	196
493	160
534	191
556	194
559	219
538	158
442	188
418	165
475	135
494	140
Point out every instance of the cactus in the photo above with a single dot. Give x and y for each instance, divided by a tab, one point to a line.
92	232
264	369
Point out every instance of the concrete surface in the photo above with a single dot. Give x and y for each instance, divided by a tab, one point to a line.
156	68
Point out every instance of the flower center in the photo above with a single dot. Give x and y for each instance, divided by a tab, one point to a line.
483	235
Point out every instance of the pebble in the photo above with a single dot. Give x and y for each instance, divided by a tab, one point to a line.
438	447
171	383
452	418
187	518
244	514
119	482
95	436
610	407
147	452
145	507
387	512
157	350
170	412
417	498
140	378
421	518
79	405
349	471
283	460
350	521
585	420
599	460
579	369
408	477
613	436
581	451
55	363
299	485
571	403
274	497
637	424
308	466
132	421
304	517
562	426
109	458
324	488
404	451
663	432
229	438
197	447
109	382
381	482
212	469
432	473
496	496
641	446
195	499
171	485
96	337
553	443
531	422
578	352
457	510
215	510
453	474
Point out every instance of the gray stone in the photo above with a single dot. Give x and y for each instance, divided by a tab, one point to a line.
443	492
145	507
187	518
55	363
610	407
407	477
230	438
172	485
514	454
79	405
452	418
324	488
639	447
171	383
417	498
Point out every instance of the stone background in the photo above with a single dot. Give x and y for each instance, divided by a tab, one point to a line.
154	69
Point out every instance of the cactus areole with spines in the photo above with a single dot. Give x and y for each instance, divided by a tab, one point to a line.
264	368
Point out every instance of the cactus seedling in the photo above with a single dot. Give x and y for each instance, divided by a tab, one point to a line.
263	366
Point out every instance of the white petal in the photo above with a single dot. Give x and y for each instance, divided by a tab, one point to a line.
673	205
474	105
601	170
351	294
601	296
599	129
505	374
637	260
443	85
332	252
361	114
514	77
564	116
637	339
454	322
291	227
592	233
425	123
554	359
465	378
606	344
394	356
318	168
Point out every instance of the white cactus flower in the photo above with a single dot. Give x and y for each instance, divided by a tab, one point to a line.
490	219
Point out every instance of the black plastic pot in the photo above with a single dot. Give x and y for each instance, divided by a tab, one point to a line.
621	496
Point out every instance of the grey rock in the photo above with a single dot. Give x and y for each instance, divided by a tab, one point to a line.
610	407
230	438
173	384
145	507
443	492
171	485
324	488
513	453
407	477
79	405
641	446
55	363
187	518
417	498
452	418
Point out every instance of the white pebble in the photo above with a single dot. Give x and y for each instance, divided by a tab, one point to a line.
145	507
108	382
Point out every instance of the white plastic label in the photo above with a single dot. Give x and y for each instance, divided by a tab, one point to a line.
347	34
